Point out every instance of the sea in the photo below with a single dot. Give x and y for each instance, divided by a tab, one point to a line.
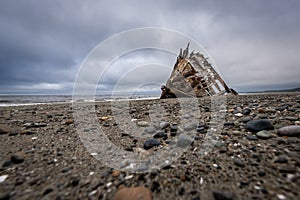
21	100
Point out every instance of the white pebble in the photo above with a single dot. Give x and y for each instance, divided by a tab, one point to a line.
290	177
2	178
92	193
108	184
201	181
34	138
128	177
239	114
281	197
215	165
94	154
92	173
256	187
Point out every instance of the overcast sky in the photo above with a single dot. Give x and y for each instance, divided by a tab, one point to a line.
255	44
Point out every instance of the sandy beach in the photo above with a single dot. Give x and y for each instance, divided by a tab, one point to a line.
252	157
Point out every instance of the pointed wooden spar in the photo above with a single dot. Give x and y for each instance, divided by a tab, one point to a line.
193	75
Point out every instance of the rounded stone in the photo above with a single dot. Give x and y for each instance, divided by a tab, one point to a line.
18	157
133	193
184	141
142	123
263	134
148	144
238	162
69	121
281	159
164	125
292	131
160	134
150	130
173	128
190	127
259	125
252	137
290	118
222	195
246	111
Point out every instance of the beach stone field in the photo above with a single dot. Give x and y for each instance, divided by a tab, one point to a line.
222	148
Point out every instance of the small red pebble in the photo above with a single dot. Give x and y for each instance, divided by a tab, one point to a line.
133	193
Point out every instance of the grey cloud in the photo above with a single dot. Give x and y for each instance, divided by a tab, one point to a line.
253	43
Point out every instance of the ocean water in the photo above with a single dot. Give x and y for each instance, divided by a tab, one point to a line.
20	100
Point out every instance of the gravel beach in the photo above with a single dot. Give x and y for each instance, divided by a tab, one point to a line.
245	148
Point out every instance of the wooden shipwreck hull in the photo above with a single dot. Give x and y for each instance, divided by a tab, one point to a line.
194	76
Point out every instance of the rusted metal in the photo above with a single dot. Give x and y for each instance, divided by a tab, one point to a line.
194	76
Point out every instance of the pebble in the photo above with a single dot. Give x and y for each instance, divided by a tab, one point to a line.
259	125
4	129
35	125
291	118
222	195
281	159
13	133
239	114
164	125
281	197
184	141
246	111
161	134
229	124
261	110
201	130
235	132
186	116
66	169
115	173
27	132
262	116
3	178
149	143
190	127
292	131
261	173
142	123
133	193
173	128
18	158
246	120
238	162
252	137
287	169
104	118
264	134
69	121
150	130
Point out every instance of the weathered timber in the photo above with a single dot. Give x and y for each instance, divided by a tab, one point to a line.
194	76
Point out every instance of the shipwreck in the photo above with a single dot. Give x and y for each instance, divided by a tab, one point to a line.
194	76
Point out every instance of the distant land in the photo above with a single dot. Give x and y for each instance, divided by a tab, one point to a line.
282	90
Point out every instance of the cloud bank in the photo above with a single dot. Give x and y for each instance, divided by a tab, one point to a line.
253	43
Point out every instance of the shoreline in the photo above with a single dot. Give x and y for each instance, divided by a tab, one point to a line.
7	104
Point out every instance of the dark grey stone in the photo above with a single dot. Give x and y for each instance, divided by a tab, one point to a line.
259	125
148	144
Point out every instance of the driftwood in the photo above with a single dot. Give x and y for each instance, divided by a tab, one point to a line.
194	76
